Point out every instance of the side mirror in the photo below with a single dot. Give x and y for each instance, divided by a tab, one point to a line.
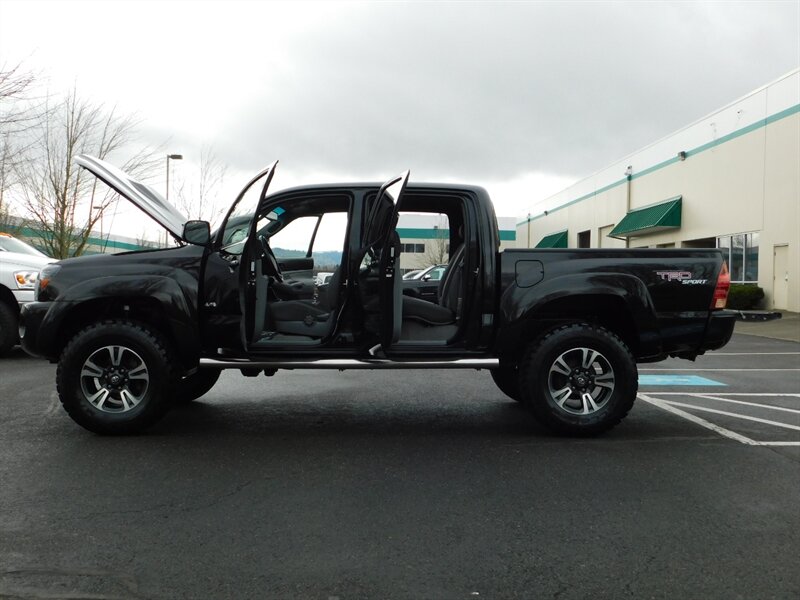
426	278
197	232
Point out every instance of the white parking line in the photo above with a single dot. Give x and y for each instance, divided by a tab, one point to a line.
662	404
730	414
669	406
751	394
755	354
732	401
717	370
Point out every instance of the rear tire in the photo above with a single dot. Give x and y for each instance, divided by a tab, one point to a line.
8	328
579	379
195	385
115	378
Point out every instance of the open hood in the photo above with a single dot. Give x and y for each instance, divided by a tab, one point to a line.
147	199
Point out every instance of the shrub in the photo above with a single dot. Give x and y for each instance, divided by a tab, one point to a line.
744	296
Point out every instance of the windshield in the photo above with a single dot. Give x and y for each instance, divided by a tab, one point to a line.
9	244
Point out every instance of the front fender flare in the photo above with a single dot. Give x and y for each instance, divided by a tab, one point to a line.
178	308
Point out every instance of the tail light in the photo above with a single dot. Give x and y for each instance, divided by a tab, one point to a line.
723	285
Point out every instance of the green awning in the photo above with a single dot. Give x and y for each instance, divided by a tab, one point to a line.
554	240
650	219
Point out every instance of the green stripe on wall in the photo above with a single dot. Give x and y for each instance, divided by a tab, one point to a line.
432	234
32	233
713	144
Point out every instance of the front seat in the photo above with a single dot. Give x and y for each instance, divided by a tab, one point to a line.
304	317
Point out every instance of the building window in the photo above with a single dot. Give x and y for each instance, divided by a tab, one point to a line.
741	252
413	248
585	239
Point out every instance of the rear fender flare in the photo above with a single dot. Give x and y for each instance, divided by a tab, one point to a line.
521	306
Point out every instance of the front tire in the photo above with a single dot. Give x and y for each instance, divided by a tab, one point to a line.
115	378
579	379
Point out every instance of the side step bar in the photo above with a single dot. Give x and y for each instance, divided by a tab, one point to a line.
350	363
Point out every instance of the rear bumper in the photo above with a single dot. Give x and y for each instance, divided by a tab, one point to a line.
719	329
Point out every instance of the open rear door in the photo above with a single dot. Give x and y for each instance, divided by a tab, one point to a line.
379	257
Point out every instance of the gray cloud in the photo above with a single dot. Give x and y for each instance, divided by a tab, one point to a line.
490	91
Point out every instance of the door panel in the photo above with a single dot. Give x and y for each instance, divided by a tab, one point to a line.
295	265
379	255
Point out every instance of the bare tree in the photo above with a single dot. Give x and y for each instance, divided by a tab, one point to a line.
198	197
15	86
64	200
437	250
18	113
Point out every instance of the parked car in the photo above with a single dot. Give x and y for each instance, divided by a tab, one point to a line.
19	267
323	278
560	330
412	274
426	284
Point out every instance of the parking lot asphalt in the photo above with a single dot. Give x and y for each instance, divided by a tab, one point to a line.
410	484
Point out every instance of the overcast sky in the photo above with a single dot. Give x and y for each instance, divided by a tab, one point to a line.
522	98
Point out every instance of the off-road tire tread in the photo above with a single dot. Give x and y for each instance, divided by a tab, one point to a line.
528	368
145	419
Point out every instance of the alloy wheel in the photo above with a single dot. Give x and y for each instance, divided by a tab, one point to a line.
581	381
114	379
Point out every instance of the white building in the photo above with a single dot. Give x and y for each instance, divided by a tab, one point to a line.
730	180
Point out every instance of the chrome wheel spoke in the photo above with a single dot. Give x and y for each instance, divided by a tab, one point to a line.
606	380
589	356
127	400
99	398
91	370
560	366
140	373
116	354
588	403
562	395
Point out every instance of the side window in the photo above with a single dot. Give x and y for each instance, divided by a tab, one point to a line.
294	236
295	239
425	241
436	274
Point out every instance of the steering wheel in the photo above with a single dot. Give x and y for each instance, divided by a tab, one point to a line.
271	263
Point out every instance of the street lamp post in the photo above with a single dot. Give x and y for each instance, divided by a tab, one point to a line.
170	157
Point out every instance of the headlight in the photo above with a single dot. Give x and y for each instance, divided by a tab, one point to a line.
26	280
44	278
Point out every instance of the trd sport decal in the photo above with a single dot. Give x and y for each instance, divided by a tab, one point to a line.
685	277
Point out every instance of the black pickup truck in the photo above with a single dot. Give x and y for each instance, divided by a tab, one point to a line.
560	331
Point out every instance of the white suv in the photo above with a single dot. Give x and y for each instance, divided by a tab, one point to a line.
19	268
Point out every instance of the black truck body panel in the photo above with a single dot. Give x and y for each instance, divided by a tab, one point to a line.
669	315
658	301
